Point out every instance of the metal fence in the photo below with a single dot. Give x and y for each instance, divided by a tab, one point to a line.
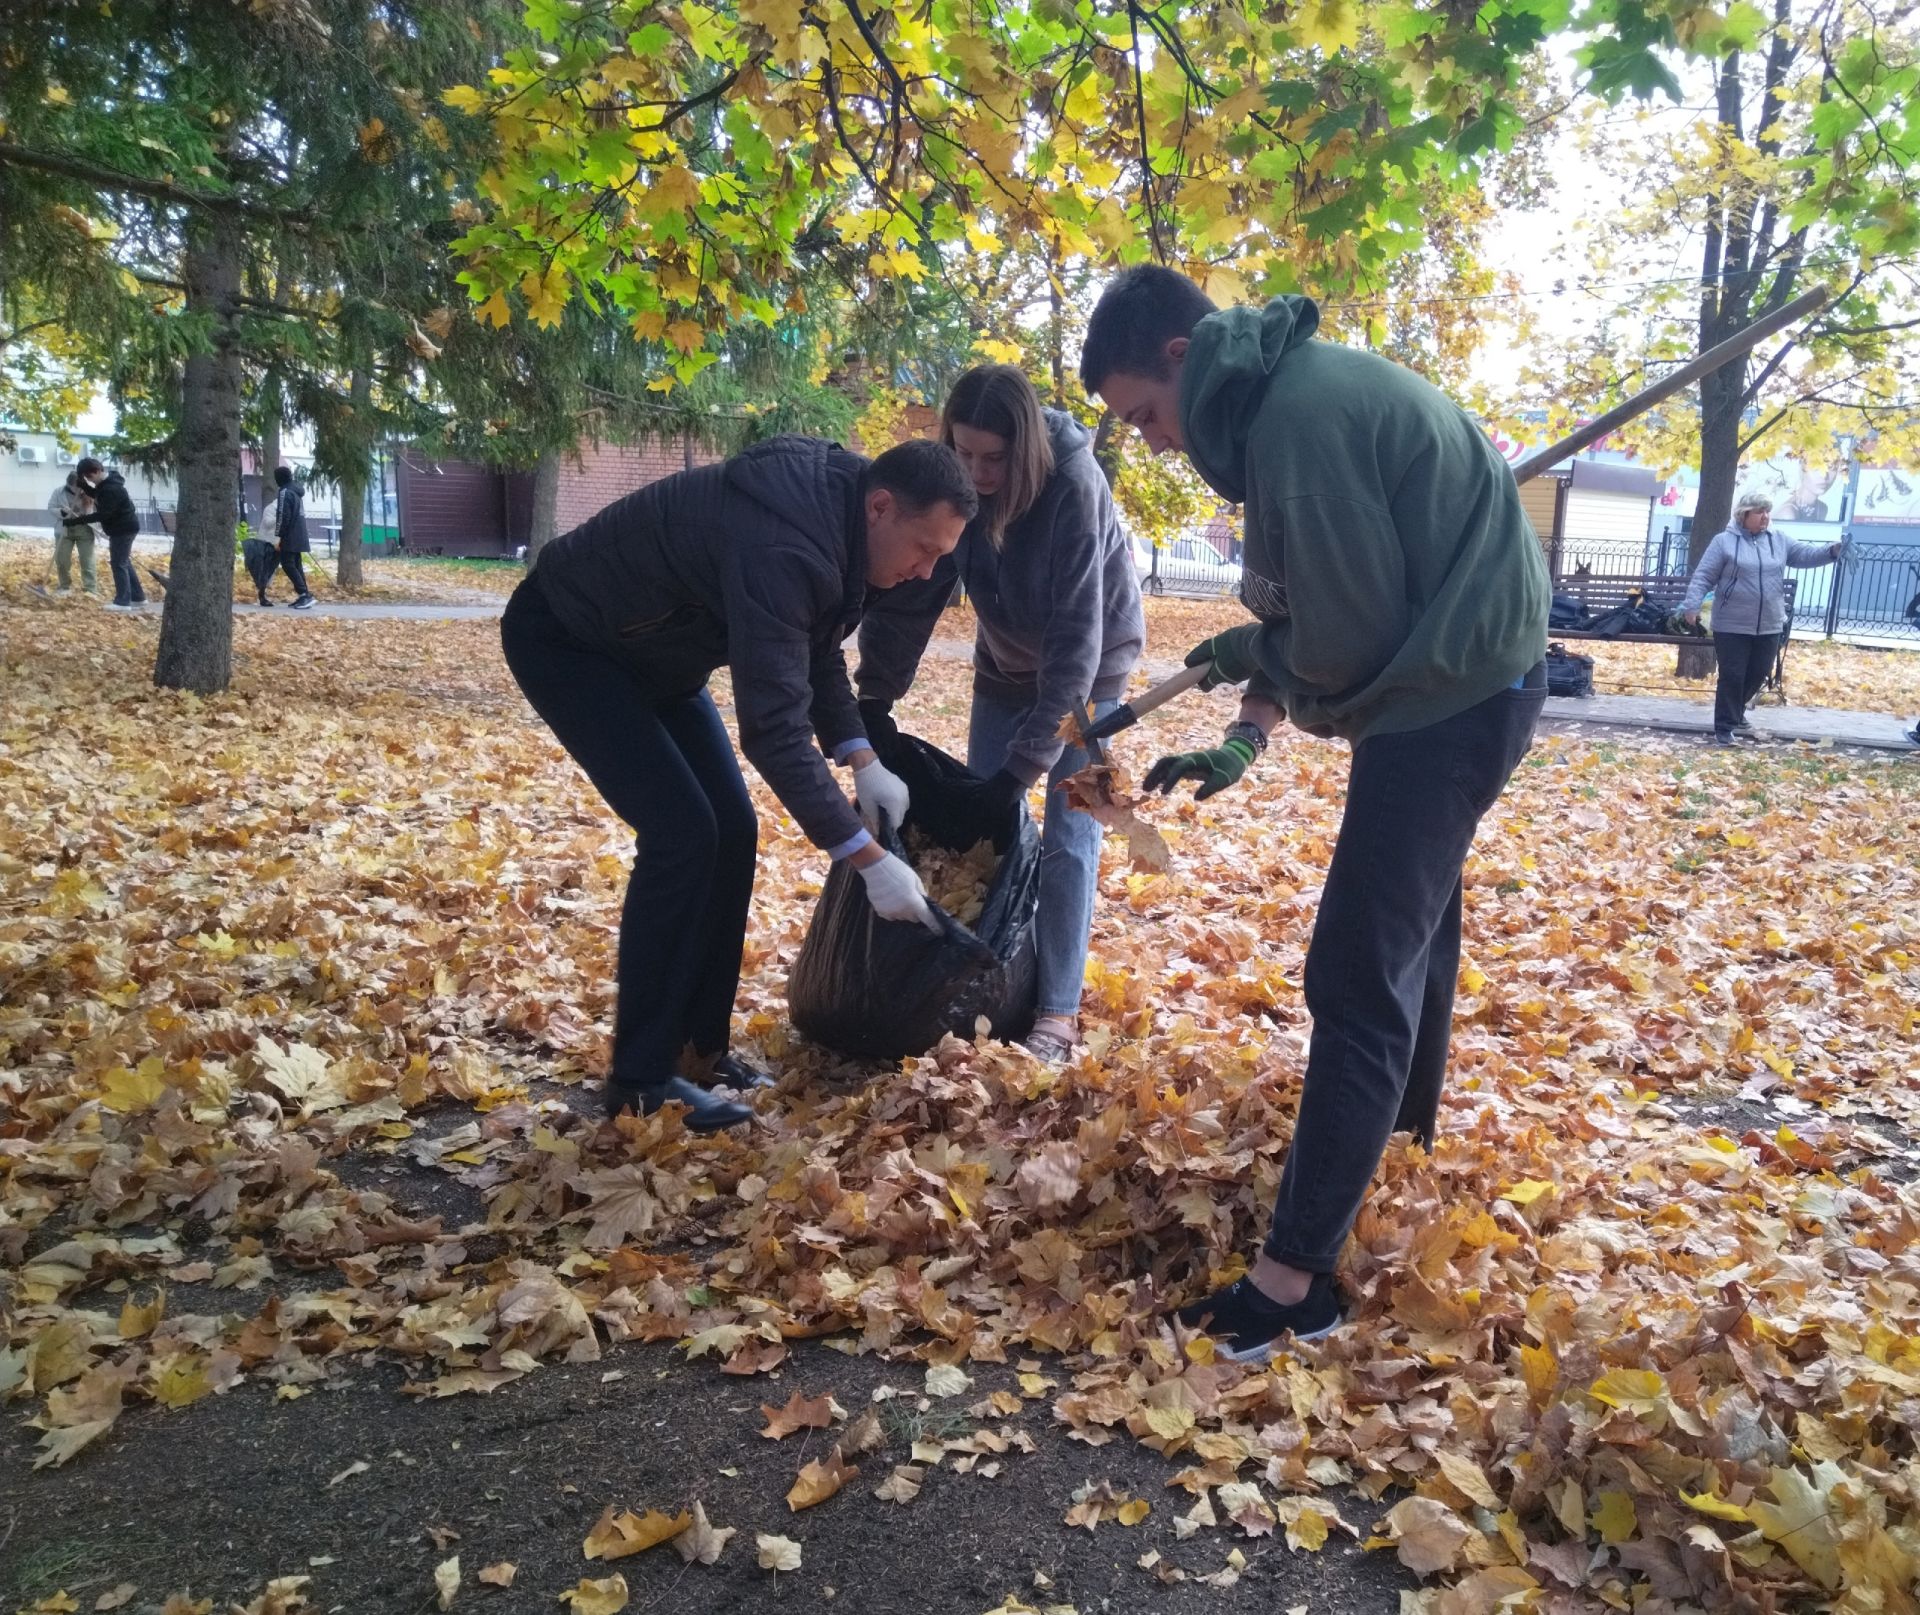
1871	592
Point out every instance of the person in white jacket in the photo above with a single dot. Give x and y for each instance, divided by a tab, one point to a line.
1745	570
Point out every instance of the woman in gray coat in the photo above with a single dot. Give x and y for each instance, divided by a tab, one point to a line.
1745	570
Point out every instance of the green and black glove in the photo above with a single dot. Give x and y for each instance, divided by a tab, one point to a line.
1215	769
1230	654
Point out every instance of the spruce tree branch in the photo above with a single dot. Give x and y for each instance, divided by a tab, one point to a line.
111	179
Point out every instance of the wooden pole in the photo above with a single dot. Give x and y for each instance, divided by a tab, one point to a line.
1708	362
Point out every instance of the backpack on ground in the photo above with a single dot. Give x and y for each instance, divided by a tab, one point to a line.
1568	674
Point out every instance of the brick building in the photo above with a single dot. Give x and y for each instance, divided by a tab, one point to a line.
457	507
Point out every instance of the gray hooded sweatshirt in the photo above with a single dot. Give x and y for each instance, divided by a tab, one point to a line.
1058	606
1746	575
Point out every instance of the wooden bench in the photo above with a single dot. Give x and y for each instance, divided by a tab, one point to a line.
1602	592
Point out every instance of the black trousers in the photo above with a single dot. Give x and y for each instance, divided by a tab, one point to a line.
126	581
295	569
1745	661
1384	958
666	766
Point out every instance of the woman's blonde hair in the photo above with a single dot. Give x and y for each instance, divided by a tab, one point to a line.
1750	502
997	398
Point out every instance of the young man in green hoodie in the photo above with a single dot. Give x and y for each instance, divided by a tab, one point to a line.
1401	599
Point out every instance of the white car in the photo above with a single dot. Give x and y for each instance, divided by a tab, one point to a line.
1185	565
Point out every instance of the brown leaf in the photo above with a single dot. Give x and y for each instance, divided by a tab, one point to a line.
800	1413
701	1542
819	1480
500	1574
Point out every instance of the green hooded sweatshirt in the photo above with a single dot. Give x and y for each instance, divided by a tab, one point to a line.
1388	559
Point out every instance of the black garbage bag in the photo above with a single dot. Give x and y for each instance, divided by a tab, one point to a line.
888	988
260	558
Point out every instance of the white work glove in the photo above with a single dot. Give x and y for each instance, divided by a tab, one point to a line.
879	790
895	891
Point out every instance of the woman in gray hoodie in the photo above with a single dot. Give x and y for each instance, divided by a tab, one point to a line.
1048	569
1745	570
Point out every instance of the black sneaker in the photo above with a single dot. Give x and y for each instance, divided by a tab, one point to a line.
1248	1325
1722	738
730	1071
304	603
705	1114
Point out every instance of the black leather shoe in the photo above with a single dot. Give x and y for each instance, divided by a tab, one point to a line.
705	1114
730	1071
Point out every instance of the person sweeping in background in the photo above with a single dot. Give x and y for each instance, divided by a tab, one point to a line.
1745	570
1047	568
1401	602
760	564
69	507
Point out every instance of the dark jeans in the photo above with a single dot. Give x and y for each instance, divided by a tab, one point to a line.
1384	958
126	582
295	569
666	766
1745	661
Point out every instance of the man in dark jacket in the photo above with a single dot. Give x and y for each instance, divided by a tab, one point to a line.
761	564
288	525
1401	602
114	515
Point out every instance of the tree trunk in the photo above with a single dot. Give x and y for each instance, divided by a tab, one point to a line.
1106	446
269	438
1720	409
347	571
546	495
196	627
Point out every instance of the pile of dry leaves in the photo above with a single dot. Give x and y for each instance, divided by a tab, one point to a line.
1642	1332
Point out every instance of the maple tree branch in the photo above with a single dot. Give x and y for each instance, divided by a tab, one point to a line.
899	95
1146	161
113	179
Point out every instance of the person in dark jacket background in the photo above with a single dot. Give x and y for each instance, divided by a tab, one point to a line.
1401	600
114	515
1745	570
289	527
1048	570
761	564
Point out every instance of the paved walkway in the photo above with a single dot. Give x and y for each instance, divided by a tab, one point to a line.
1653	714
1672	715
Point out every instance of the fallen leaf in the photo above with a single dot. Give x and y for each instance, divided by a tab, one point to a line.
818	1481
607	1596
446	1580
800	1413
114	1598
500	1574
702	1543
903	1485
1427	1534
944	1379
616	1536
777	1552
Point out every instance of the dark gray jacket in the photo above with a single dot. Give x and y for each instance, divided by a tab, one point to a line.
1746	575
290	521
759	564
113	511
1058	605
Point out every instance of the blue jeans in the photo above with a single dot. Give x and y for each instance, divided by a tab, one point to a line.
1069	852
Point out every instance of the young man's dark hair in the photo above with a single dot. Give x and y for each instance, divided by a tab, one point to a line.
1143	310
282	476
921	474
89	467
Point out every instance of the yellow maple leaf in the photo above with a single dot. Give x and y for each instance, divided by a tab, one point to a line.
1526	1191
1718	1507
1614	1517
686	335
616	1536
182	1380
1803	1519
1332	25
1133	1512
495	311
546	295
131	1092
607	1596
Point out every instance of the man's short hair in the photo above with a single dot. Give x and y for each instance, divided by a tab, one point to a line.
283	476
1138	314
921	474
88	467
